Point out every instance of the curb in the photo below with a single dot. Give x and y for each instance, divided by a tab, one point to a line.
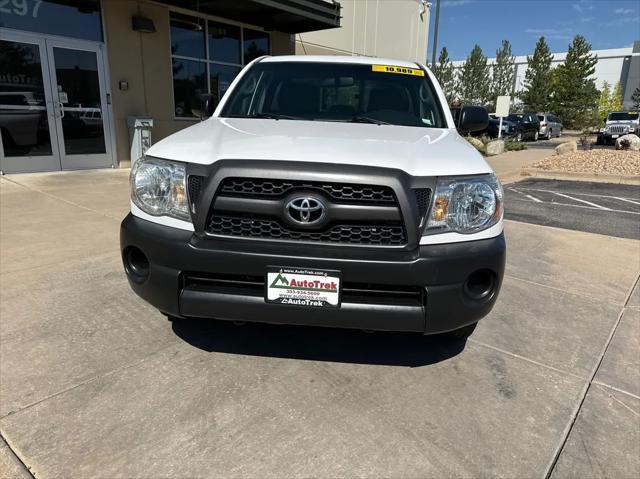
563	175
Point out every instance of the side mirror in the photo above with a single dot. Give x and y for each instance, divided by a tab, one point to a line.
203	106
473	118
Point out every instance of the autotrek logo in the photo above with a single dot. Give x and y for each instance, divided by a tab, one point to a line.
326	286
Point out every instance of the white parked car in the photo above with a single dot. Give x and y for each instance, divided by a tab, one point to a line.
331	191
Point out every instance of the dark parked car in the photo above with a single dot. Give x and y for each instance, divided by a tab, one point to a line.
527	126
509	129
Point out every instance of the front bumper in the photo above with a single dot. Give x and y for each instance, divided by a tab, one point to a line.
438	272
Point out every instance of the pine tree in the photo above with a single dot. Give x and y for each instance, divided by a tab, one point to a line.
475	82
575	95
604	102
446	75
538	79
504	72
616	98
635	98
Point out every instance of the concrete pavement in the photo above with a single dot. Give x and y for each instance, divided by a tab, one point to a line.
95	383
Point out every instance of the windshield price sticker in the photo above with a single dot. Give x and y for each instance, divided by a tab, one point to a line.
394	69
302	287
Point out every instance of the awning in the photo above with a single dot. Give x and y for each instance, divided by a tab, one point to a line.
289	16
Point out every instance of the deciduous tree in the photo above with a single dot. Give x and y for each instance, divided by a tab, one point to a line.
604	102
616	98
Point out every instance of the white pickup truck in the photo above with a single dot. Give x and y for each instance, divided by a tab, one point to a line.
326	191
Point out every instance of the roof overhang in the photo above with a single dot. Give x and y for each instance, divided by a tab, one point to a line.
289	16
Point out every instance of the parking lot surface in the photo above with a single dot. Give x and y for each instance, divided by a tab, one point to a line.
603	208
97	384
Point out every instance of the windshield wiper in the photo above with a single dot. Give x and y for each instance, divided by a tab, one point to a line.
274	116
367	119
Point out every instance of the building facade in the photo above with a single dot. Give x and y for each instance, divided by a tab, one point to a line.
378	28
613	66
73	72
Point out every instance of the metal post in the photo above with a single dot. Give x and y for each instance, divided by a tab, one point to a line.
500	129
435	35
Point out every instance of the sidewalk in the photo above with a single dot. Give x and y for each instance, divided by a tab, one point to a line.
508	165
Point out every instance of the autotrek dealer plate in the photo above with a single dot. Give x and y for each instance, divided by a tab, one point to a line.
303	287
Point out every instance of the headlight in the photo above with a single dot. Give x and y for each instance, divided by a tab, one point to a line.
158	188
465	205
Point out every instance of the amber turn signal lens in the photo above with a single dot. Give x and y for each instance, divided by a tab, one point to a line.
440	209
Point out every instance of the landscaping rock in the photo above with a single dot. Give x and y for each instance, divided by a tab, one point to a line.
495	147
475	142
633	143
567	147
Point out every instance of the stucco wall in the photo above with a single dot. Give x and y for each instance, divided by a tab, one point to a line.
382	28
143	60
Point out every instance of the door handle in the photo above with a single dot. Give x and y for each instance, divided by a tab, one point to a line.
61	109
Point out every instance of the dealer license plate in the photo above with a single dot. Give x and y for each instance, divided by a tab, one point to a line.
303	287
615	136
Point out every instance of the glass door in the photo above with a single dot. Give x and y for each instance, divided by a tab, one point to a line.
80	103
26	107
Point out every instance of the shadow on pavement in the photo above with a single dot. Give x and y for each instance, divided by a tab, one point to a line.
317	344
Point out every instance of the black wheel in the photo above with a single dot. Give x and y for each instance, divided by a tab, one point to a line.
462	333
549	134
519	137
535	136
599	140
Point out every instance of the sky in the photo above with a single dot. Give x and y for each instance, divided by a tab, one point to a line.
463	23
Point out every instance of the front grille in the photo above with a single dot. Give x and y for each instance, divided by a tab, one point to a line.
337	191
621	129
255	208
248	285
270	229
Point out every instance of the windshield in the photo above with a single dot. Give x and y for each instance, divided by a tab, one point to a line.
336	92
622	115
516	117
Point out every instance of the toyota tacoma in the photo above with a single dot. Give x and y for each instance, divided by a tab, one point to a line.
325	191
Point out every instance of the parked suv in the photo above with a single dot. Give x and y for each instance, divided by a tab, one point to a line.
330	191
619	123
527	126
550	126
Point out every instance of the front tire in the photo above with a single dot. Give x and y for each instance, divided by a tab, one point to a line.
549	134
519	137
535	136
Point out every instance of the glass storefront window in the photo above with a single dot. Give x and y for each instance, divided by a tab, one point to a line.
23	117
220	77
187	36
69	18
224	43
256	44
206	57
189	81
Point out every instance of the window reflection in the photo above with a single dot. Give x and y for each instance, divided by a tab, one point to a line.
69	18
256	44
23	118
189	80
79	94
187	36
221	77
224	43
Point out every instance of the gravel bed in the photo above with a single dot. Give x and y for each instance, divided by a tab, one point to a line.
602	162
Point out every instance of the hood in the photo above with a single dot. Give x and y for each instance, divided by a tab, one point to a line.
417	151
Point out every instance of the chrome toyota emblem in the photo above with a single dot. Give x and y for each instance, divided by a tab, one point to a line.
305	210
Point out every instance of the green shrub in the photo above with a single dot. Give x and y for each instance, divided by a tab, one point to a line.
511	145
